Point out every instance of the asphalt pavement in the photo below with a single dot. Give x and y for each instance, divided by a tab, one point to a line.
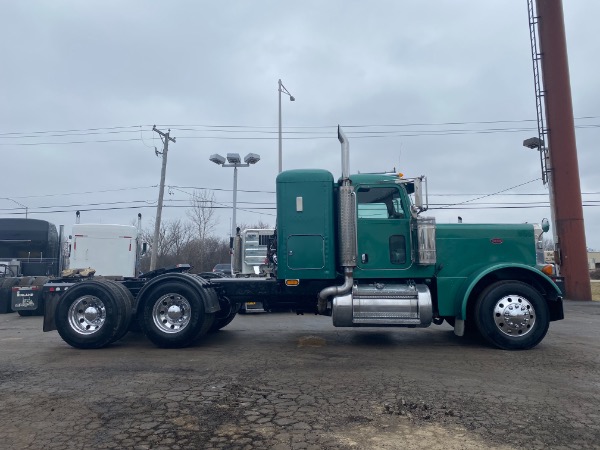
280	381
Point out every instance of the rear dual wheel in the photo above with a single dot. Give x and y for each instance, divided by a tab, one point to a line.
92	314
172	315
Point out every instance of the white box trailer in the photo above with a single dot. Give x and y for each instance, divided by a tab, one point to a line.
112	250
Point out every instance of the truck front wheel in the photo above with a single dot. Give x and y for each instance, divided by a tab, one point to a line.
511	315
172	315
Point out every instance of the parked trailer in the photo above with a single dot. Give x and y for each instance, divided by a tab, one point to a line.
357	249
106	250
30	253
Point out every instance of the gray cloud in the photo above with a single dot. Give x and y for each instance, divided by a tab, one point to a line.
78	65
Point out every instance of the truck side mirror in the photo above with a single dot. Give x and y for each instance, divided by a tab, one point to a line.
144	248
545	225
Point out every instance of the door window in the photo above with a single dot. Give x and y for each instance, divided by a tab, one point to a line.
379	203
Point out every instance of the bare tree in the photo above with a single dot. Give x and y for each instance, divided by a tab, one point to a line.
260	225
173	239
202	215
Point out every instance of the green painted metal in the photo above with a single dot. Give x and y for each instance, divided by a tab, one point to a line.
467	254
306	233
384	233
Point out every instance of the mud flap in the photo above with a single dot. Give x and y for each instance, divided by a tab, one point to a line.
51	301
459	327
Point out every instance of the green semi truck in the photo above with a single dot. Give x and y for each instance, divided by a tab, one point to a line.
357	249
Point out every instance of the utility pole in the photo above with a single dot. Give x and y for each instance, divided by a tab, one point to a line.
563	150
161	192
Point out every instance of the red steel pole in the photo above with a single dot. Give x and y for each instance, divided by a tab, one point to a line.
563	150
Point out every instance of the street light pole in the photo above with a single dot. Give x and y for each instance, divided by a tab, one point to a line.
234	160
281	88
233	222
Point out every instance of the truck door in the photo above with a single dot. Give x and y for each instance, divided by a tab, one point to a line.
383	228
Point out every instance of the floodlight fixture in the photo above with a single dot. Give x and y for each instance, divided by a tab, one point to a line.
251	158
533	142
234	158
217	159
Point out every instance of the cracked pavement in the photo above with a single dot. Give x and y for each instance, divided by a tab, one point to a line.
281	381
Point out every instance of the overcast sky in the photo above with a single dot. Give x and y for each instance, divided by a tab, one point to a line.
437	88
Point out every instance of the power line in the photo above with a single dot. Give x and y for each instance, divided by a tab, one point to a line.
74	130
231	130
494	193
258	210
85	192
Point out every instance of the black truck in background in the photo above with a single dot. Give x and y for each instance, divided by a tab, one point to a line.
30	254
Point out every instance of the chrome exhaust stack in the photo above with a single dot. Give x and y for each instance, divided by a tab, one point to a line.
345	155
347	245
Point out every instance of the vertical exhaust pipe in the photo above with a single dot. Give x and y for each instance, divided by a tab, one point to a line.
345	155
347	244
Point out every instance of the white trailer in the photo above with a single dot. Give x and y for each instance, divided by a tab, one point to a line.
112	250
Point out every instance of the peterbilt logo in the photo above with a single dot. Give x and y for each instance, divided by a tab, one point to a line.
496	241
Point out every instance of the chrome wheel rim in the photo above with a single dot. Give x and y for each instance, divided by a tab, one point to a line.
87	315
171	313
514	315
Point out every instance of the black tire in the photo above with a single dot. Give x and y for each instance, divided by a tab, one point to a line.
128	305
511	315
103	318
26	313
6	285
225	316
172	315
134	324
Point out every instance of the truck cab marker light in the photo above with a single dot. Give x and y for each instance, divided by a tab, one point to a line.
292	282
